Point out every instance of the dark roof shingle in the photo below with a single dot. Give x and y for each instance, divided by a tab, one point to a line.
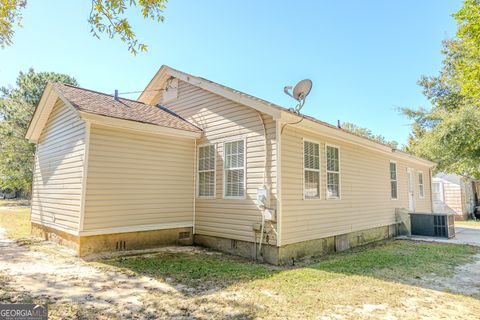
103	104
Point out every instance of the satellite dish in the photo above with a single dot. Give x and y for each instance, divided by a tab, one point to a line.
299	93
302	89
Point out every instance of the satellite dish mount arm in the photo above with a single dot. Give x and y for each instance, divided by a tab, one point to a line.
299	93
299	106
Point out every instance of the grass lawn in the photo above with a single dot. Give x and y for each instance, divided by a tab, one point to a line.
382	274
14	203
390	279
16	222
468	223
393	260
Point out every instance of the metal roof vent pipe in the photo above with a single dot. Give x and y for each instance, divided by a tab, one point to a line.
115	96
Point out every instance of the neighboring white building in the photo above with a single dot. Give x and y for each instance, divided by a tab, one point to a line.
453	193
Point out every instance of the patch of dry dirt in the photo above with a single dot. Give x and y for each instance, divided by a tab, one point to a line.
53	274
465	280
60	277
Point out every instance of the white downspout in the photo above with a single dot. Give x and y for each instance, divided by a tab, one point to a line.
278	141
262	229
194	186
265	145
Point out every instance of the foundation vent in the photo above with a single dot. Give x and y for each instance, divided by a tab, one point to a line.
184	235
233	244
121	245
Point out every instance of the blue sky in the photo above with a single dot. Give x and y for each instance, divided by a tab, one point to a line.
364	57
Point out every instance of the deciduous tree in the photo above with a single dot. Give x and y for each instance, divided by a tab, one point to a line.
449	132
17	105
106	17
367	133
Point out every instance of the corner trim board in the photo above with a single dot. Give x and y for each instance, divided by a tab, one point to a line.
84	177
278	137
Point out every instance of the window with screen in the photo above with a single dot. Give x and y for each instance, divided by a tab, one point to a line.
421	188
311	159
333	172
393	180
206	171
234	169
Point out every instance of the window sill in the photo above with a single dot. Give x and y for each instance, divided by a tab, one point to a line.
234	198
334	198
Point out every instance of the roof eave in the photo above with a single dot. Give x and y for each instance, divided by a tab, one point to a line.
138	126
318	128
41	114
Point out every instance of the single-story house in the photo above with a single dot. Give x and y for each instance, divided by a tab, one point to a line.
193	161
453	193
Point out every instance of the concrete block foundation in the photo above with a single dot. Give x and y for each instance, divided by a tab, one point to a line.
288	254
86	245
240	248
54	235
284	255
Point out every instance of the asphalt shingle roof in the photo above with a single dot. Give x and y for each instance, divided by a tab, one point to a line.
104	104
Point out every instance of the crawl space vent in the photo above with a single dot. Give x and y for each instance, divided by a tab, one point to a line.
183	235
121	245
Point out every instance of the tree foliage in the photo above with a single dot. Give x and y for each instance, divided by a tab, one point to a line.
10	16
106	17
367	133
16	109
449	132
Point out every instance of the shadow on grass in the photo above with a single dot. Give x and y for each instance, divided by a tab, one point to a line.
92	297
254	290
393	261
200	270
419	264
402	261
14	203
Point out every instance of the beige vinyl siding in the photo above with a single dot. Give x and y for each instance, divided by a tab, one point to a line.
136	179
224	120
452	194
57	178
365	200
422	204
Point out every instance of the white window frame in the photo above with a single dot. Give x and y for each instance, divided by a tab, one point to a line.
316	170
339	197
440	190
390	178
214	171
244	170
421	186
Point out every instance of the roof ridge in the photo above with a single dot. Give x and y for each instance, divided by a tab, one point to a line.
99	92
248	95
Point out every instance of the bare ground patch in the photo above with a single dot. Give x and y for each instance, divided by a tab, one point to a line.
216	286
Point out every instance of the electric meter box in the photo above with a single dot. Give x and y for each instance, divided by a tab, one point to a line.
269	215
262	196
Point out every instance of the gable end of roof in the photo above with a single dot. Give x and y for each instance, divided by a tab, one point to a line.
165	72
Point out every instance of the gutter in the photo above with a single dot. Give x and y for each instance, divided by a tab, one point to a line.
320	128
